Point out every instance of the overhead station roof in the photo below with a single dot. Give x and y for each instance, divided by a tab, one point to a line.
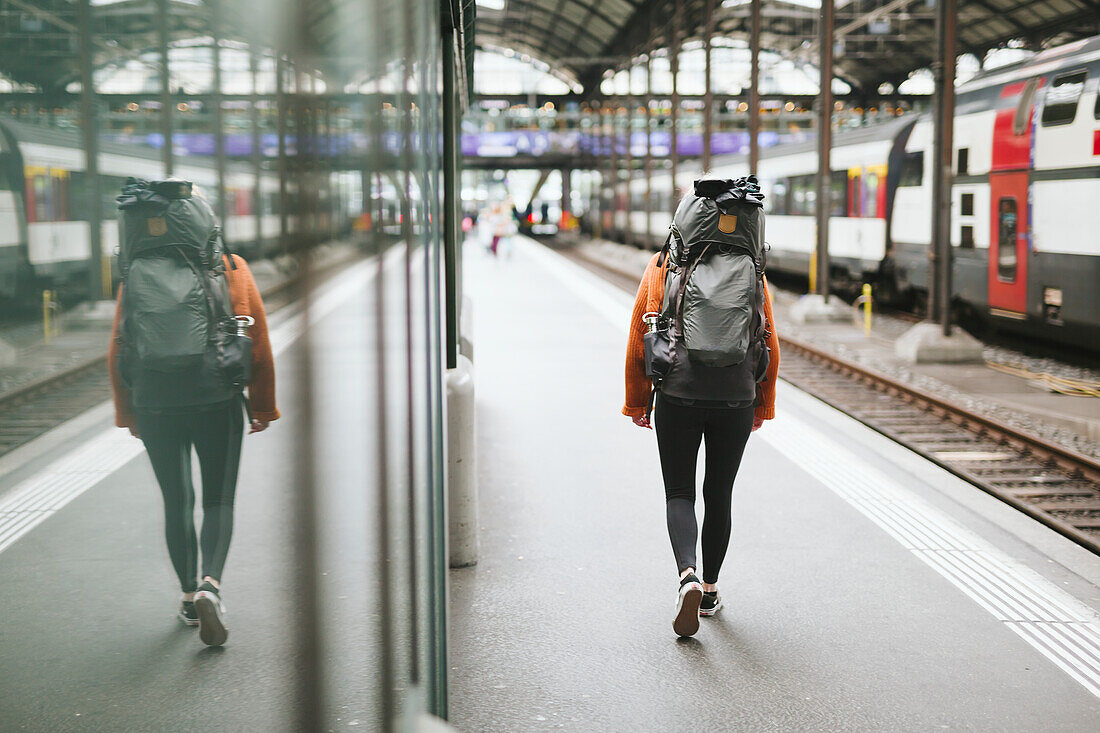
40	36
879	40
40	46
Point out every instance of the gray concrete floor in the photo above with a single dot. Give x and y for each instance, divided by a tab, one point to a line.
89	640
565	623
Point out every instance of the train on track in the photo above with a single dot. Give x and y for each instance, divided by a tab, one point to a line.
1025	223
45	199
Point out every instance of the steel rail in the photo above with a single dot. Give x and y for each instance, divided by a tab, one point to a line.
1073	464
1077	465
19	395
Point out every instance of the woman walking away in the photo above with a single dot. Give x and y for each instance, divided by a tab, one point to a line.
189	334
703	355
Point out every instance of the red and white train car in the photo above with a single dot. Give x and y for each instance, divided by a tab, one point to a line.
1025	199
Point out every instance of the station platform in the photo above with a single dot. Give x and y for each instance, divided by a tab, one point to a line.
865	589
90	637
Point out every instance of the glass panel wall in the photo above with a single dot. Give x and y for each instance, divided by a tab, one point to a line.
312	137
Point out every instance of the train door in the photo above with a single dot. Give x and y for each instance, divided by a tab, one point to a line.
1008	187
1008	244
52	238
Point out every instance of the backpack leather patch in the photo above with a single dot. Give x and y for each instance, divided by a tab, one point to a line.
158	226
727	223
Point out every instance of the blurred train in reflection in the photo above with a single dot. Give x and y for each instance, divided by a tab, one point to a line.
1025	225
45	199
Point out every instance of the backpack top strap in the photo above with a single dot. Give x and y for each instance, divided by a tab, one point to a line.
230	277
672	232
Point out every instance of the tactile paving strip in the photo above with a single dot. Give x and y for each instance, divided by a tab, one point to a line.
1060	627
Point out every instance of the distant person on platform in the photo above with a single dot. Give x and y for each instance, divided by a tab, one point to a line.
190	334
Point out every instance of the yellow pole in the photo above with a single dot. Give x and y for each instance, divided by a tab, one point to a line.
813	270
867	309
46	305
108	290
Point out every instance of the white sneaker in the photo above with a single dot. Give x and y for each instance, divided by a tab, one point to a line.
711	603
686	622
211	611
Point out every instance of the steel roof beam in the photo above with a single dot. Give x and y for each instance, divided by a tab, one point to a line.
864	19
1000	15
623	43
72	30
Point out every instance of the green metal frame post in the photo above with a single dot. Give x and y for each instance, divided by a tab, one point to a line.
754	88
674	137
708	93
90	125
219	113
943	70
165	88
824	144
257	164
450	194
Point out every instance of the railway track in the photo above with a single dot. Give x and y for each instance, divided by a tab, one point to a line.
1052	484
35	408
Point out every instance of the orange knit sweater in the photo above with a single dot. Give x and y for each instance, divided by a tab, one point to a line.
651	292
246	300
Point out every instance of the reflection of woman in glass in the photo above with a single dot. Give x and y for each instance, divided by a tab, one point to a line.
174	423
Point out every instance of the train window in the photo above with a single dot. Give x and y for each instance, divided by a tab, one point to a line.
1023	110
28	195
870	195
1096	107
966	237
78	196
111	187
1060	106
967	204
803	195
61	197
912	169
963	164
1006	239
839	193
43	197
776	203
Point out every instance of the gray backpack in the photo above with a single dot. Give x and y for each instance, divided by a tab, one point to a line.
176	336
713	308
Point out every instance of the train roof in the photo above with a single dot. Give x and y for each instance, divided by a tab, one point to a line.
981	89
72	139
60	137
1078	53
853	136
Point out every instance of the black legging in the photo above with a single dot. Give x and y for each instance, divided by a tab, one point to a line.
679	431
216	436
